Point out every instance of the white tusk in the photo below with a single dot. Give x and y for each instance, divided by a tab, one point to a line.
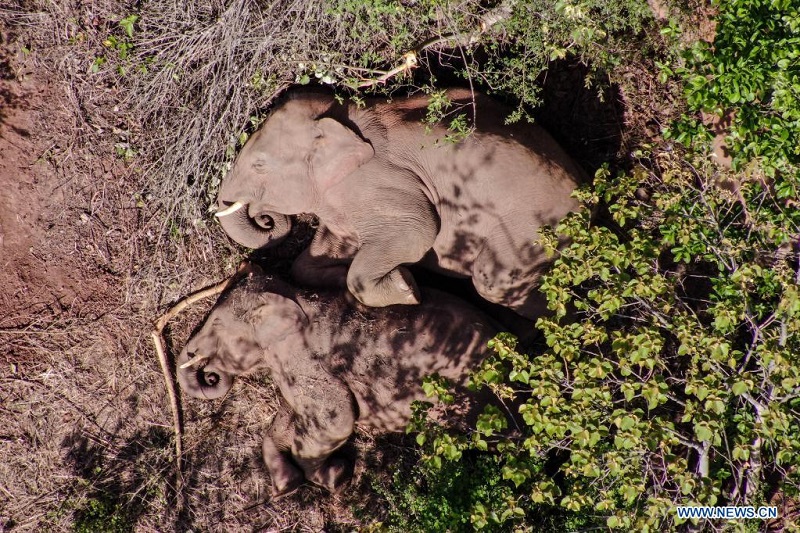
229	210
193	361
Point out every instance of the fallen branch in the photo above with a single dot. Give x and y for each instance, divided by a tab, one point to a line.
158	342
409	63
410	58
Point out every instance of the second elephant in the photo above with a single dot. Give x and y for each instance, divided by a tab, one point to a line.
336	365
388	193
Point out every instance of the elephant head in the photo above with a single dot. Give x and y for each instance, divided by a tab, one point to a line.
285	169
249	328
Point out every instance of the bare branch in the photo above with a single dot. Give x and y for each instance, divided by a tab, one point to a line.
158	342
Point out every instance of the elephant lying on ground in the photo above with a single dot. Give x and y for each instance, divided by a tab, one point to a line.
387	194
336	364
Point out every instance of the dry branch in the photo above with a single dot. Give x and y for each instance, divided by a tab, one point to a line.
158	342
410	58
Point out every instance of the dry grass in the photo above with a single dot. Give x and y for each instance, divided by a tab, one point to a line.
87	434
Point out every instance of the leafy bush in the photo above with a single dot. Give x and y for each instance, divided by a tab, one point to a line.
677	380
102	514
752	70
671	374
538	32
459	496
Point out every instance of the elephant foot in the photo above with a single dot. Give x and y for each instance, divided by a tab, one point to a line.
395	288
285	481
285	476
335	475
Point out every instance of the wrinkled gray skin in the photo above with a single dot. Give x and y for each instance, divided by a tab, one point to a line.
336	363
389	194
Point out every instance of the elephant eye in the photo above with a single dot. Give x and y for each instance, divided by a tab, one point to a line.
260	166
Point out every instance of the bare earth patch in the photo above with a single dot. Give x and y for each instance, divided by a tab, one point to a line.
51	255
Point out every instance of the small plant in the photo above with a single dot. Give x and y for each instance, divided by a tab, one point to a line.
122	45
125	151
441	110
102	514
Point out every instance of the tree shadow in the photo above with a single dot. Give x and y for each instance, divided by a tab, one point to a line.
589	122
117	486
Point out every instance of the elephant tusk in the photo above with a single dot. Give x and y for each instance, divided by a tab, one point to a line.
193	361
229	210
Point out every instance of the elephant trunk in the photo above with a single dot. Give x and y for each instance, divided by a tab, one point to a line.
253	227
205	382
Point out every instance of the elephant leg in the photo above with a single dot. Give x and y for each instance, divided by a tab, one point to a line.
324	419
285	475
508	283
325	262
334	474
376	276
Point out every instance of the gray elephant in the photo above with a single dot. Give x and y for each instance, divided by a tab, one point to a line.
335	362
389	193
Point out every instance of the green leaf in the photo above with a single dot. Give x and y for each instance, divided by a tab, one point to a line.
740	387
127	24
703	432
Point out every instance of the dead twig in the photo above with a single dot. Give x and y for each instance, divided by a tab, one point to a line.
158	342
410	58
409	63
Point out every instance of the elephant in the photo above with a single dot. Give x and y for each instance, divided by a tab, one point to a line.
390	192
336	364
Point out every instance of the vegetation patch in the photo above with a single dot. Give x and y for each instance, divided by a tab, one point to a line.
670	374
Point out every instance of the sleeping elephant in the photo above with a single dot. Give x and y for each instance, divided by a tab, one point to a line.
336	364
389	193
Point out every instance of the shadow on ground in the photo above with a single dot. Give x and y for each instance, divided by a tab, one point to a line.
119	484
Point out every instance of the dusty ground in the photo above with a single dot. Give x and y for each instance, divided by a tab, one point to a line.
86	434
86	428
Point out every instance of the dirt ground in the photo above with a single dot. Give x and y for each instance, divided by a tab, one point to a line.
85	425
86	431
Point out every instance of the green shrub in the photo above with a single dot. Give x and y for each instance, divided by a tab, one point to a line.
102	515
537	32
460	496
753	70
671	374
677	380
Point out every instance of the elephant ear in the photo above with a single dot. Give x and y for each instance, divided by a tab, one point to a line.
276	318
337	152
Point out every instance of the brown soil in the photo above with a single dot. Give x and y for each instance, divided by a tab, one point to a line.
54	245
85	425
